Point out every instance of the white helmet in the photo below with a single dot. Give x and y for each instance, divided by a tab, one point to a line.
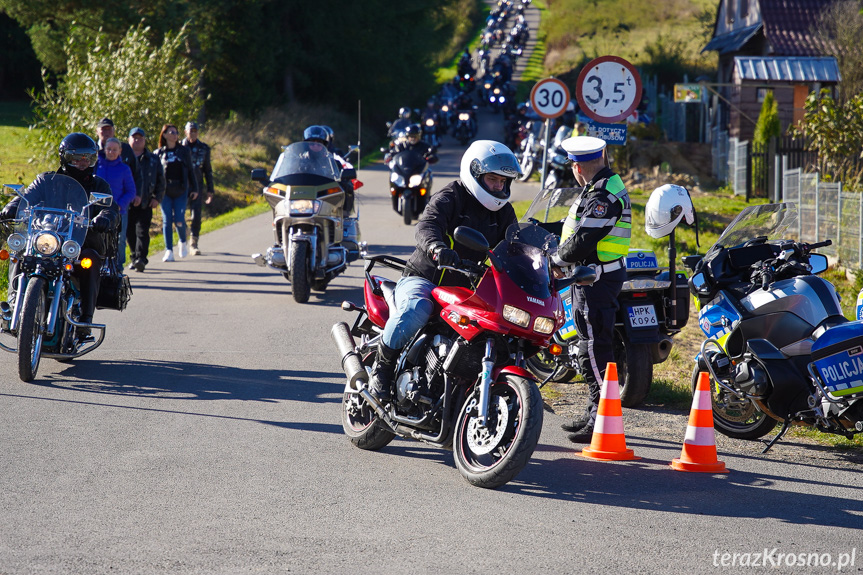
486	157
667	205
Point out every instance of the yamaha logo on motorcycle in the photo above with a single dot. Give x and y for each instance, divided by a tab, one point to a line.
778	347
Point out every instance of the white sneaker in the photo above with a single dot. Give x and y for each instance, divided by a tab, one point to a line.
169	256
182	249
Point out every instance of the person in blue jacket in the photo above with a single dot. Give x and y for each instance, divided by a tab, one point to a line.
119	176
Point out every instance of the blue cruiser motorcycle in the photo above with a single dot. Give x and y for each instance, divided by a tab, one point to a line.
777	347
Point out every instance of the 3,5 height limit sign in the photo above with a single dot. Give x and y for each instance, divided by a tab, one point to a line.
608	89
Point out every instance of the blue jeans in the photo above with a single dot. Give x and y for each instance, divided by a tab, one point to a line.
174	214
414	307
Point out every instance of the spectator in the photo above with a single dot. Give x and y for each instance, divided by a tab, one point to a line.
203	171
152	191
105	130
180	187
111	168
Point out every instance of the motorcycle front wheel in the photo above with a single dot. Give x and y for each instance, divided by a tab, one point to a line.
299	263
734	417
30	329
407	213
491	455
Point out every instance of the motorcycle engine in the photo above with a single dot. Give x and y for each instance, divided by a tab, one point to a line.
419	384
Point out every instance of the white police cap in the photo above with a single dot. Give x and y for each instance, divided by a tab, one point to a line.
583	148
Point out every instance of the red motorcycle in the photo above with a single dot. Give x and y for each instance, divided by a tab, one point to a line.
461	382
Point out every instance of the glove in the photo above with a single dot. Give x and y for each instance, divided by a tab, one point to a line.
100	225
444	256
8	213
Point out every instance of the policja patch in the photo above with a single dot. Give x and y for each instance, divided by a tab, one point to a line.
600	209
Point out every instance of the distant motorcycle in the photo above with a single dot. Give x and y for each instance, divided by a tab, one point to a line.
315	239
410	183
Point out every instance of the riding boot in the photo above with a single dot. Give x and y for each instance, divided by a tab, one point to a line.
383	372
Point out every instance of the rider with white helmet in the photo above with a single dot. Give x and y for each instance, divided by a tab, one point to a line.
480	200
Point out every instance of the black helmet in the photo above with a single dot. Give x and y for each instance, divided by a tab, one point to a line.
76	146
404	113
315	134
330	136
413	133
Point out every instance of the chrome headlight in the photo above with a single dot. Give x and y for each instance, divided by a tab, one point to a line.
415	180
16	242
71	249
645	284
543	325
305	207
397	179
47	244
515	315
464	117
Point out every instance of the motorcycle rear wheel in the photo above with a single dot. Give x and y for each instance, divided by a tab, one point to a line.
361	424
30	329
300	272
733	417
492	455
634	370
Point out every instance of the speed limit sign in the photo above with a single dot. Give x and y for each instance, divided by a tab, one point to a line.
549	98
608	89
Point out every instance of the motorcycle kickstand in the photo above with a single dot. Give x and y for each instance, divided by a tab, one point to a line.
785	425
547	379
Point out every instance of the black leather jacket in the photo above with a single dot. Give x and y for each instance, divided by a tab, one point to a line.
152	178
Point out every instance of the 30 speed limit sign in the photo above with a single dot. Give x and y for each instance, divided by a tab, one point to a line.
549	98
608	89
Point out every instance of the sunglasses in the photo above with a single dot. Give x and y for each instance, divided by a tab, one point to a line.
172	132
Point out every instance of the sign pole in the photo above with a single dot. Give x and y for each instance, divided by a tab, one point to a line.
545	152
549	99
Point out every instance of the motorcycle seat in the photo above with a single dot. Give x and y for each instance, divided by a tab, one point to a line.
388	287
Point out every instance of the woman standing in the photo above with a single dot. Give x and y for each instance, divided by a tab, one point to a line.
180	187
119	176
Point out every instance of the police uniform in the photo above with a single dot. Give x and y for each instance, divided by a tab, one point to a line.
596	233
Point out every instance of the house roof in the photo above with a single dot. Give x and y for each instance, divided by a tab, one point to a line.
732	41
787	69
788	26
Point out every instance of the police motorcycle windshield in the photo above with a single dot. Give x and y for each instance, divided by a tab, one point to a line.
45	202
305	164
523	257
551	205
770	220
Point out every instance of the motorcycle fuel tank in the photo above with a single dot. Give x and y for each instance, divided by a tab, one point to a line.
810	298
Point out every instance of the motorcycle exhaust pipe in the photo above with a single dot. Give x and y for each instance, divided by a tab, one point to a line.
351	361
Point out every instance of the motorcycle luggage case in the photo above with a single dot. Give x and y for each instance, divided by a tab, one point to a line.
838	358
682	297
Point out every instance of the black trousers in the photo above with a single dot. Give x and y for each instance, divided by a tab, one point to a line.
138	232
195	208
594	310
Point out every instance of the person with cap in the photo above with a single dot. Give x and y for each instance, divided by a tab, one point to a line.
203	171
478	199
181	186
596	233
151	192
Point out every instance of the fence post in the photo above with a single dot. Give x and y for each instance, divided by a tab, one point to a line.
838	218
748	172
860	232
817	205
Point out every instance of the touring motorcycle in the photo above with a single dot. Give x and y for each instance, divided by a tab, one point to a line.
44	302
461	381
778	348
410	183
315	236
644	324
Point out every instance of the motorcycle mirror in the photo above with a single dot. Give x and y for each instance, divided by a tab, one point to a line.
818	263
691	261
471	239
260	175
101	199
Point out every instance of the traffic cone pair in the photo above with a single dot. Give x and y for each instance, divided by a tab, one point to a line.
699	445
608	442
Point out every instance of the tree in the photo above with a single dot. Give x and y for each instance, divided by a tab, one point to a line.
131	81
840	29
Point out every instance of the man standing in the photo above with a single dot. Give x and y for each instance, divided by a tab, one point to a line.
150	195
203	170
596	233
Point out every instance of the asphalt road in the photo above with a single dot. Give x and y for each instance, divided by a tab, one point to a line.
204	436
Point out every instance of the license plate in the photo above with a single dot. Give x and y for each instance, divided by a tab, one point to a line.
642	316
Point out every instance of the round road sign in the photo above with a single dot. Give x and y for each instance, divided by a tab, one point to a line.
549	98
608	89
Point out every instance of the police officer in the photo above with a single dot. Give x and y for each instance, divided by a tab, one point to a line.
595	233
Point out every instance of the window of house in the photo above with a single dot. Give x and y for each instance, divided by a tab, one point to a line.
761	93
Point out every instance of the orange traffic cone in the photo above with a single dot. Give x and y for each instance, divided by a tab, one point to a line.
608	442
699	445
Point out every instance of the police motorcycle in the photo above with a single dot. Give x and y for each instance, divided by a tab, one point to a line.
652	308
461	382
778	348
315	239
43	308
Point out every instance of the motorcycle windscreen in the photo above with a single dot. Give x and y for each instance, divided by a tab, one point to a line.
305	164
770	220
526	266
46	199
551	205
409	163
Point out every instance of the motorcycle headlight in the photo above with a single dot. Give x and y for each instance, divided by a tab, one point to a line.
415	180
497	90
543	325
47	244
16	242
397	179
464	117
71	249
444	108
429	122
305	207
515	315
